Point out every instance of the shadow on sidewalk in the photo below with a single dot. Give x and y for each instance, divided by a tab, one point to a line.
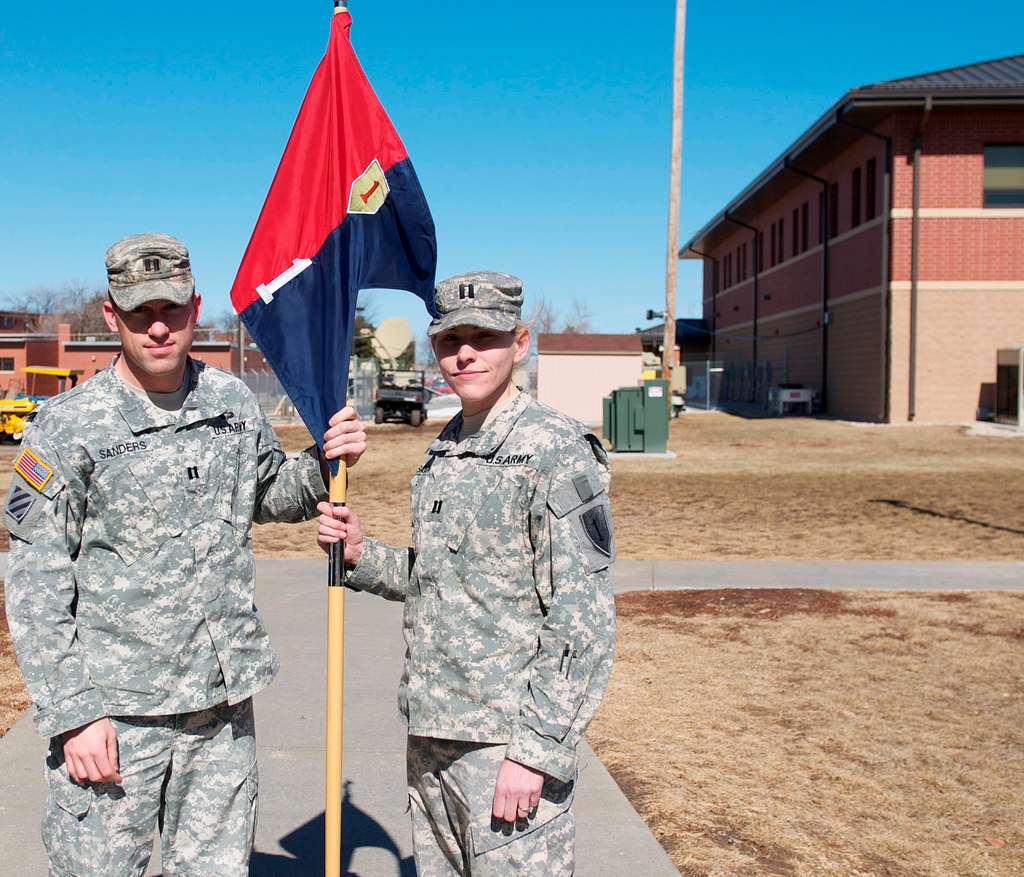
306	846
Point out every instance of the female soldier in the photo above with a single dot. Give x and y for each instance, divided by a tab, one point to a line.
509	619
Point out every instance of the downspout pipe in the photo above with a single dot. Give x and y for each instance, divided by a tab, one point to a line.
754	235
826	317
915	253
886	267
714	296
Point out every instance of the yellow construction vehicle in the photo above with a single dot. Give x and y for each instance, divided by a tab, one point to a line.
15	413
63	376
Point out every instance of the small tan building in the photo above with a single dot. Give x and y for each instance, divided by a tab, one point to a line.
576	371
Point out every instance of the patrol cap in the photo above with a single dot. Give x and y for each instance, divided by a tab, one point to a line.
488	299
149	267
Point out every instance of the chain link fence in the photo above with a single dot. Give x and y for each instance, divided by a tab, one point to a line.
704	382
362	383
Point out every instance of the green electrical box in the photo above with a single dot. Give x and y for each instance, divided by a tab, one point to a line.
636	418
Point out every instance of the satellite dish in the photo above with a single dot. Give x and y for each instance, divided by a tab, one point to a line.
390	339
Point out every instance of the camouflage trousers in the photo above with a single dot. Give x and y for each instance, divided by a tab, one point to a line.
191	775
451	789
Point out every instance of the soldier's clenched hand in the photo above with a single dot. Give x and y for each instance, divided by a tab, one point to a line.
345	437
338	524
90	753
516	792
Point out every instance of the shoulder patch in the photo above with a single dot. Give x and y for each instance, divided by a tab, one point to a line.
598	529
20	503
32	468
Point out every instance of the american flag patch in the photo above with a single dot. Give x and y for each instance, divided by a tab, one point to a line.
32	469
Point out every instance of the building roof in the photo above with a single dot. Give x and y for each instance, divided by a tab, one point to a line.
688	329
999	73
998	82
589	342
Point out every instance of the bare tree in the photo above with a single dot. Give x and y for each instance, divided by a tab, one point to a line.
41	301
580	319
542	316
72	302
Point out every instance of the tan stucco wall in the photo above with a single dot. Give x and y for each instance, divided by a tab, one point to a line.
576	383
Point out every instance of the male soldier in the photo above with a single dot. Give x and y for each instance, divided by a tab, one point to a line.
509	617
130	586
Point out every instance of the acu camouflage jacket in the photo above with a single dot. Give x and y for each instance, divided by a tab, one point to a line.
509	619
130	584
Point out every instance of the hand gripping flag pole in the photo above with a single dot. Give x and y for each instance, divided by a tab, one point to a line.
345	212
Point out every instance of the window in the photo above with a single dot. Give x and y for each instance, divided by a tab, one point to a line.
8	321
760	251
728	270
805	218
821	217
715	279
796	231
782	240
739	263
6	363
870	184
833	210
1004	175
855	198
773	250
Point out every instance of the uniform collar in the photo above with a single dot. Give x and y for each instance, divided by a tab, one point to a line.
487	440
203	402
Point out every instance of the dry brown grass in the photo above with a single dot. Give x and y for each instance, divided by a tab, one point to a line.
795	489
13	696
758	489
822	733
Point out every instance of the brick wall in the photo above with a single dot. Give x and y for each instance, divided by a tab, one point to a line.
971	269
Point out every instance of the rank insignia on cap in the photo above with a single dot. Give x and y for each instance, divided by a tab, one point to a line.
20	503
32	469
369	191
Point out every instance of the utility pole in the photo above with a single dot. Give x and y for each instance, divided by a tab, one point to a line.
671	263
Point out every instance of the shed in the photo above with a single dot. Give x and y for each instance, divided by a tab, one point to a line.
575	371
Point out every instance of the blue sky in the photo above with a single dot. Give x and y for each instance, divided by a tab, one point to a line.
540	132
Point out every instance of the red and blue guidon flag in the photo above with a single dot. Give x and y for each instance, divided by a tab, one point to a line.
345	212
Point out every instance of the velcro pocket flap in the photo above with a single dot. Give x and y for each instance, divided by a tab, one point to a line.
490	833
68	795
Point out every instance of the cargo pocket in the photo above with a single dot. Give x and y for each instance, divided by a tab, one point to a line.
491	836
66	830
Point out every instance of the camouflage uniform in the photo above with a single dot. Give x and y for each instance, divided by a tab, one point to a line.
509	619
130	595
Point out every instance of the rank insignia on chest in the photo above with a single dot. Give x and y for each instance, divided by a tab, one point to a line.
33	469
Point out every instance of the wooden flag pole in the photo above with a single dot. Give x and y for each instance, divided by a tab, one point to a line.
335	687
335	670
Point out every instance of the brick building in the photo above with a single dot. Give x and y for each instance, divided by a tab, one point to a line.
880	259
90	353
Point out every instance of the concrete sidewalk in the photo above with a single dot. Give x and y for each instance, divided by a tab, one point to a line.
890	575
612	839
